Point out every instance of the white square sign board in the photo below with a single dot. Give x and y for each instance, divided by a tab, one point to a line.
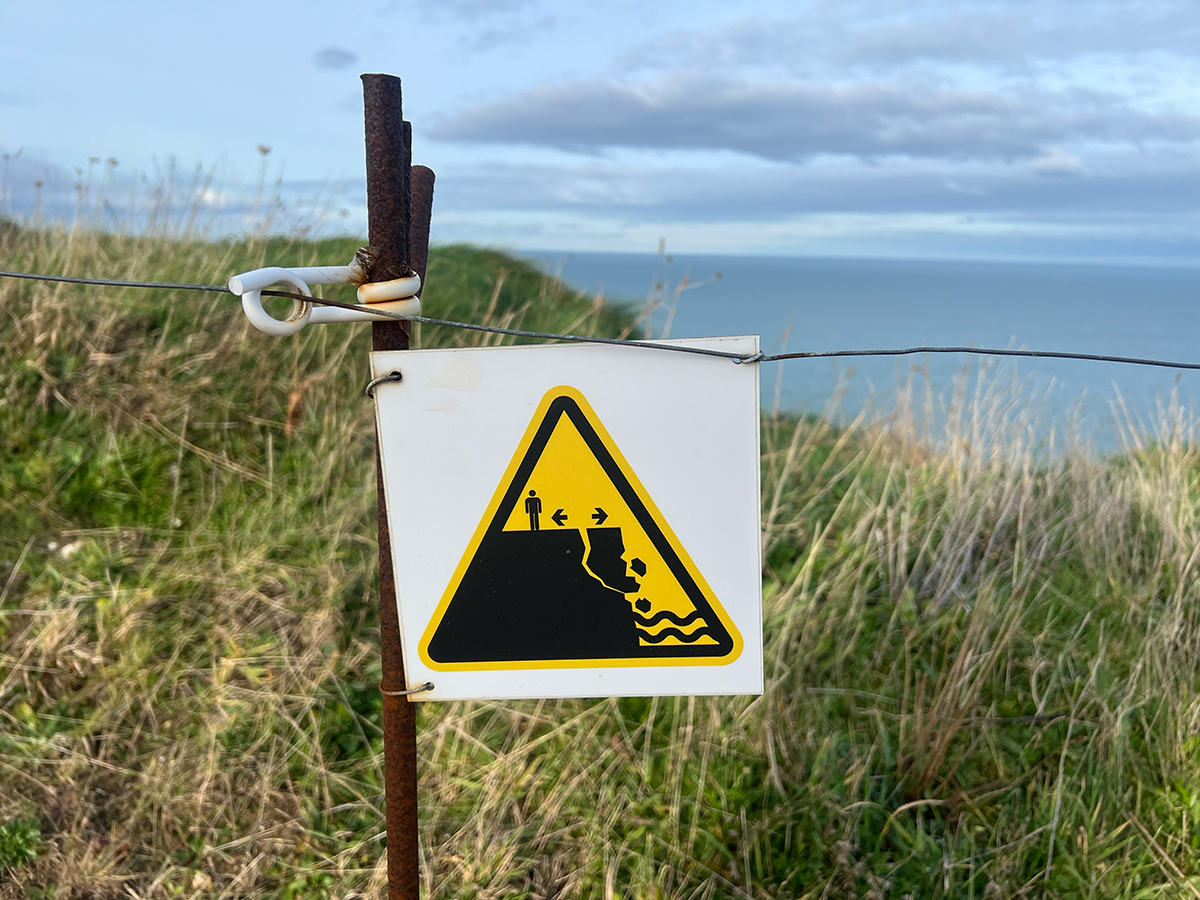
574	520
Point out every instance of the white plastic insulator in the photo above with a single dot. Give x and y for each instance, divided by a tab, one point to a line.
383	291
251	285
351	274
396	296
327	315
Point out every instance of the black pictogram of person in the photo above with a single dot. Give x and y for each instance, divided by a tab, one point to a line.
533	506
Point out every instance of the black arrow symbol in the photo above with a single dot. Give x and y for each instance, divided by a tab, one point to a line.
558	518
600	516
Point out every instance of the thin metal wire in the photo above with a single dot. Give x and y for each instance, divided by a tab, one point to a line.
983	351
763	357
427	686
217	288
651	345
517	332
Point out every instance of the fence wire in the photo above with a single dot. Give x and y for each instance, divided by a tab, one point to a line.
625	342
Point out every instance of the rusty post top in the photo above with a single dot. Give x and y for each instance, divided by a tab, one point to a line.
389	195
388	177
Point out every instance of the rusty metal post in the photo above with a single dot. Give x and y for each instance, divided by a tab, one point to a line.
399	241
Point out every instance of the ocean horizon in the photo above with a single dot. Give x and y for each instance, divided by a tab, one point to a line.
1140	309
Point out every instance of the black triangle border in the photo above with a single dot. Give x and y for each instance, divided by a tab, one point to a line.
565	405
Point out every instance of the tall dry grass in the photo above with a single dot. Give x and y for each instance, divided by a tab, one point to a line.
980	648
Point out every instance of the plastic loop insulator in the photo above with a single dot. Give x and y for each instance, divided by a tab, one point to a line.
251	285
383	291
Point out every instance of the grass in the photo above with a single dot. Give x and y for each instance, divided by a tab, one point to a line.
981	656
19	842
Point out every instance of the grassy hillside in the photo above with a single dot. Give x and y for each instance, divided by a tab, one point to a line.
981	662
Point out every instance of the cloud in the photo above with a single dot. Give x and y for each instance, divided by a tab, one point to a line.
979	33
512	32
1046	115
1056	162
906	32
334	59
796	120
777	193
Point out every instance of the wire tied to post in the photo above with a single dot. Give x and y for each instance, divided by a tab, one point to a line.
394	376
427	686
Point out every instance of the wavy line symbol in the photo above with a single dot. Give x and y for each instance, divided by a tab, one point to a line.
667	616
676	633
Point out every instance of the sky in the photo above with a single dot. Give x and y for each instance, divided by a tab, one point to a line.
1056	129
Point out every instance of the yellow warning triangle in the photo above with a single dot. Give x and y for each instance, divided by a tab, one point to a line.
573	565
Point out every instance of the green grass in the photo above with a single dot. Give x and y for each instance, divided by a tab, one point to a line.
19	843
981	658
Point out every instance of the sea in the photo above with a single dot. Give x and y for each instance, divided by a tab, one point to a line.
803	303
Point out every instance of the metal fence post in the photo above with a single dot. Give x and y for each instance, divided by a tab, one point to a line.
399	240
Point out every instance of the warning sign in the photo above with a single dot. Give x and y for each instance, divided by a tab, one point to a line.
573	564
574	520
